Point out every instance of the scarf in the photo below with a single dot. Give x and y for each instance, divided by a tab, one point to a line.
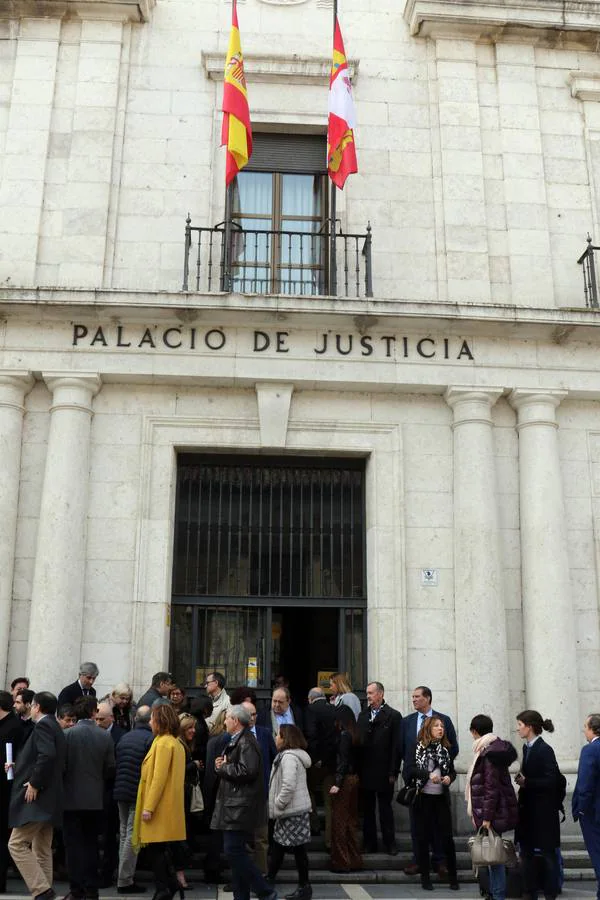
438	754
481	744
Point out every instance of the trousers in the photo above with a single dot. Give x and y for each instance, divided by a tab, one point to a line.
245	876
127	855
591	835
433	819
80	832
386	817
31	849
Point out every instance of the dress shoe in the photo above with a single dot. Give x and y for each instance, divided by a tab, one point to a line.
45	895
392	850
412	869
426	884
454	885
228	887
132	889
302	892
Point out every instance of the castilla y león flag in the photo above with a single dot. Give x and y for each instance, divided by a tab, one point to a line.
341	150
236	131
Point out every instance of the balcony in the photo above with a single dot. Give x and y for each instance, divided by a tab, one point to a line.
590	283
230	258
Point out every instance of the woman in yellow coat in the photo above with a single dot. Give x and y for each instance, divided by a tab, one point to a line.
159	811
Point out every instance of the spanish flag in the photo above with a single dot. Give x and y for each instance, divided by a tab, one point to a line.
236	131
341	150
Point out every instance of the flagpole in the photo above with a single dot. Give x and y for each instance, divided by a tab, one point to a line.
332	205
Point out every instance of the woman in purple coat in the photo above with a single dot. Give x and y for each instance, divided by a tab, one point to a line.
490	796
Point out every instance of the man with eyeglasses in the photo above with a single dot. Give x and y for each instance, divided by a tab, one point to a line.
215	688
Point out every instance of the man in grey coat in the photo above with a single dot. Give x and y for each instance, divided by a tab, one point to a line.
37	798
90	761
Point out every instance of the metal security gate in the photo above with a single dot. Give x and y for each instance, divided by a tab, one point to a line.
257	533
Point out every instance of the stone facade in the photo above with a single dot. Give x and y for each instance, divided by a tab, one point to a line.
469	382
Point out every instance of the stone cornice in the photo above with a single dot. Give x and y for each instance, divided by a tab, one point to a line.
105	10
585	85
272	68
560	325
491	19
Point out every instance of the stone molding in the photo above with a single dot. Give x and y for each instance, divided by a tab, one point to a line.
585	85
164	435
72	391
274	69
274	401
491	18
104	10
536	407
472	404
14	385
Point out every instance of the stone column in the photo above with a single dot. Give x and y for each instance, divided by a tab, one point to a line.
548	627
480	621
55	624
13	387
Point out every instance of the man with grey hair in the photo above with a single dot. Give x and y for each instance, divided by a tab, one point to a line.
240	806
586	796
83	687
130	753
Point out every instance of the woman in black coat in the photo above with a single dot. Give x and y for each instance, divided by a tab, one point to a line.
434	773
538	829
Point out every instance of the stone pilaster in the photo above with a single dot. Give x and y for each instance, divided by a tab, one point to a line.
548	626
55	623
14	385
480	622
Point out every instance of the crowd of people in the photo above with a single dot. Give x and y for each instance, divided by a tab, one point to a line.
90	782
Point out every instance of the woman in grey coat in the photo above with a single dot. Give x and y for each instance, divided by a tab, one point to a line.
289	806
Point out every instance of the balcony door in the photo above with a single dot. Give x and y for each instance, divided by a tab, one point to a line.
279	238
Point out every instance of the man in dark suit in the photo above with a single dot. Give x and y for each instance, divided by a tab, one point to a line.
22	708
411	725
282	712
268	752
11	732
83	687
379	730
322	738
90	763
586	796
37	798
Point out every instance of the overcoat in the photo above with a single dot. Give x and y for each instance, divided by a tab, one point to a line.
539	825
161	792
41	762
493	797
240	803
380	747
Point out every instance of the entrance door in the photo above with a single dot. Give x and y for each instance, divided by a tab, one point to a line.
305	642
268	570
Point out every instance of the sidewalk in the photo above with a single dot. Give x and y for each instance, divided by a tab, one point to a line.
586	890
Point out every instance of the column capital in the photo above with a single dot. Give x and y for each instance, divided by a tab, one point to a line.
14	385
72	390
536	407
471	404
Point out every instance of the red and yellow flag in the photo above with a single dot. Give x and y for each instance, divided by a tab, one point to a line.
341	150
236	131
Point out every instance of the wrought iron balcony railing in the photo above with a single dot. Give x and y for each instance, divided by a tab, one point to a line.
260	261
590	283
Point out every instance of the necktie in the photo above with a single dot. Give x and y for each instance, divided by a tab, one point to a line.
421	720
525	753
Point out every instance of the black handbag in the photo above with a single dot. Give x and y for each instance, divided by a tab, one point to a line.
407	795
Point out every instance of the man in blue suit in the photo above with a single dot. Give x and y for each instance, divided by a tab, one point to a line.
586	796
411	725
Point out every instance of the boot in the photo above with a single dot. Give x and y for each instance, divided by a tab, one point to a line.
302	892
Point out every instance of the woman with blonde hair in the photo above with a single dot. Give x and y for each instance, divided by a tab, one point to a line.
159	813
434	773
121	701
342	693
